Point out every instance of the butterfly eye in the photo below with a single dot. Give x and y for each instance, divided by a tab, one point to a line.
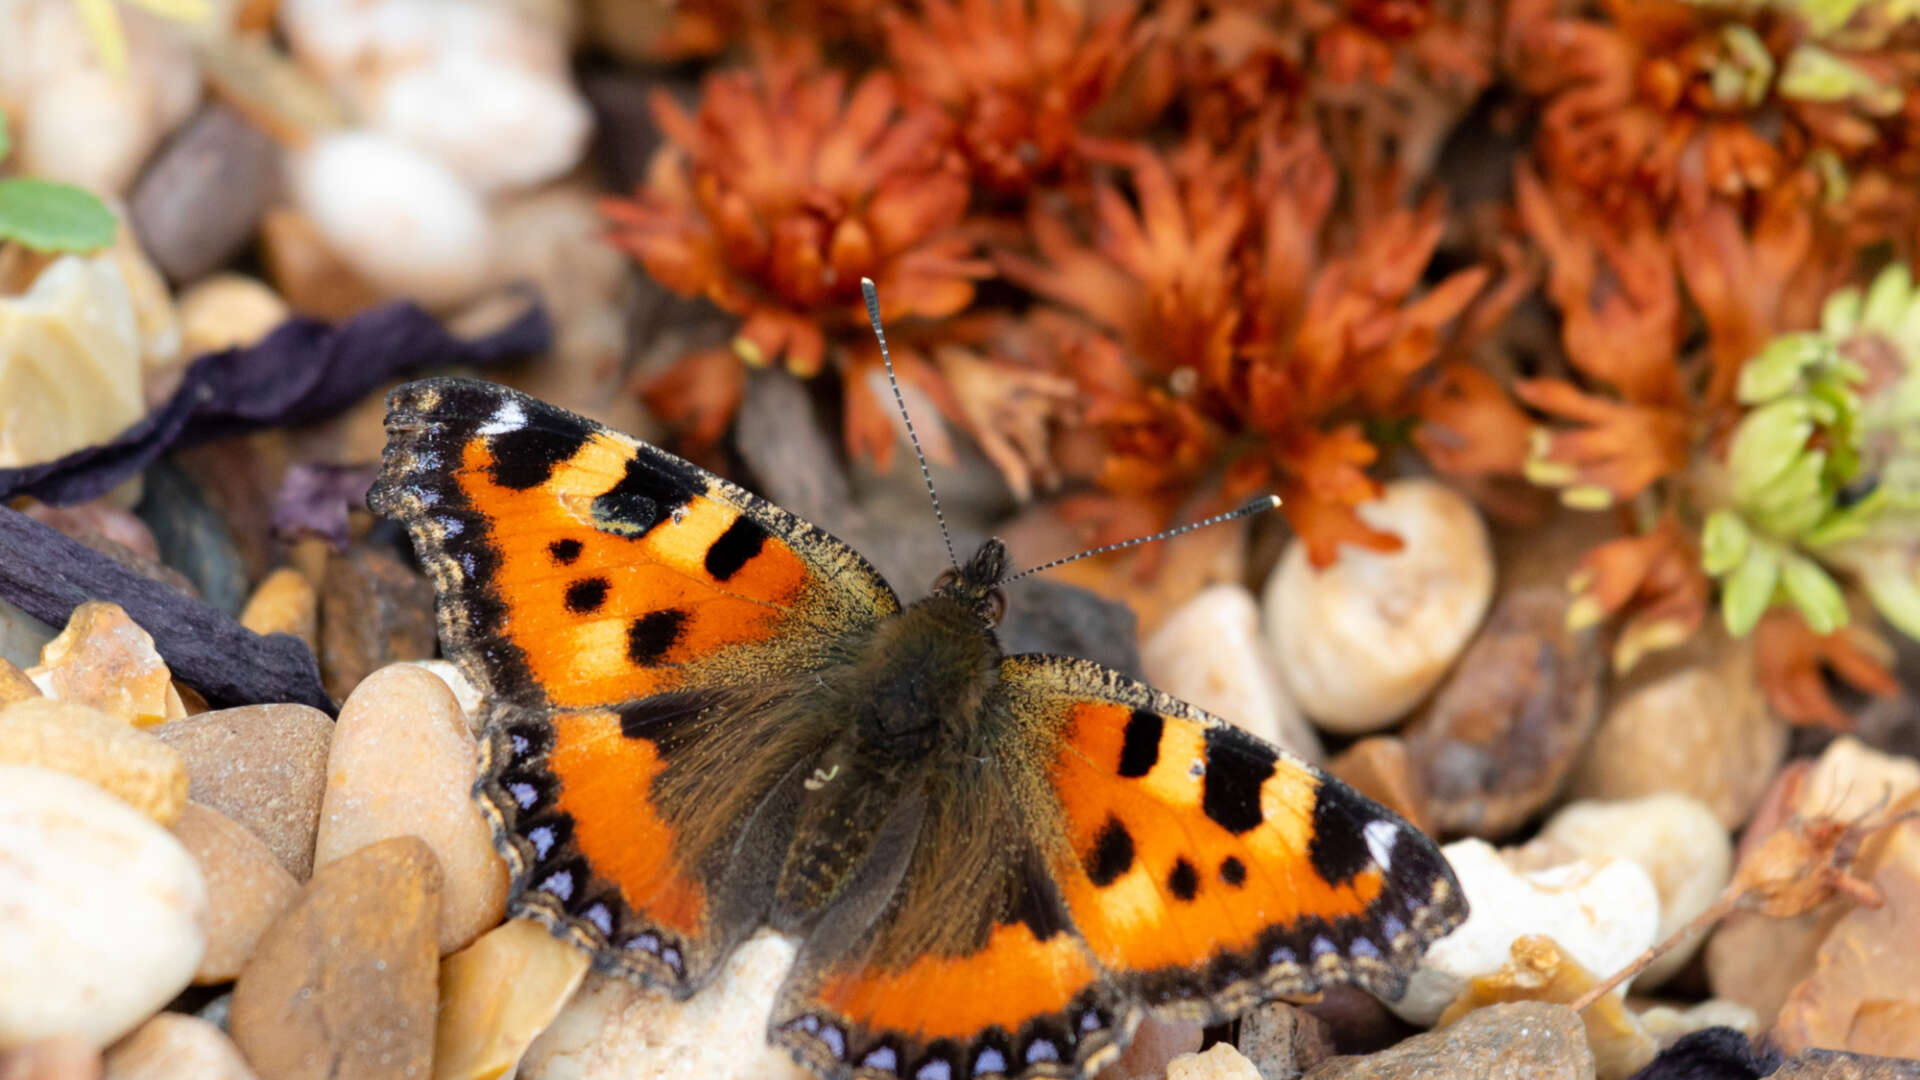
996	606
946	580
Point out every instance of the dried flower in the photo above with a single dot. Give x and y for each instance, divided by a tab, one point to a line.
1653	580
784	190
1792	661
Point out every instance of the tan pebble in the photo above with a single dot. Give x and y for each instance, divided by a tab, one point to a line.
247	886
344	983
314	280
102	750
1155	1043
175	1046
1540	970
229	310
102	912
284	603
1851	780
71	347
1220	1062
106	660
374	610
1523	1039
497	995
264	766
14	684
63	1057
403	764
1380	768
467	694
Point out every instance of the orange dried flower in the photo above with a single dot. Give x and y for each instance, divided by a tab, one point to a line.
1792	660
1019	77
1653	580
785	189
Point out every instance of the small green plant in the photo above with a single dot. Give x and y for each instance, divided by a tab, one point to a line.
1825	467
46	216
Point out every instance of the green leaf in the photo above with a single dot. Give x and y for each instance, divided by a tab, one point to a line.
1749	591
53	217
1724	542
1767	443
1814	593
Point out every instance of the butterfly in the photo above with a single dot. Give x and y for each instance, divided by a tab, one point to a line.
706	716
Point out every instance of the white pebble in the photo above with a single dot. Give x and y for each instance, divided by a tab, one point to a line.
1676	839
1210	653
396	215
1602	911
105	912
1362	641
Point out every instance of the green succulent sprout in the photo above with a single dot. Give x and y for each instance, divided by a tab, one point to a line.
46	216
1825	467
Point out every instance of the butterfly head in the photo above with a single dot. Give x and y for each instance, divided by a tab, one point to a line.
976	585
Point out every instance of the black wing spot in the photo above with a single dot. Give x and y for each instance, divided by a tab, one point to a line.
1183	881
1233	871
526	456
564	551
652	634
647	494
586	595
1236	768
1141	749
1112	853
1338	850
735	547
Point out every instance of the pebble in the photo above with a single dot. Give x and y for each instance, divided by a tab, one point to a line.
613	1027
105	911
1864	993
154	316
62	1057
84	742
104	659
1209	652
1220	1062
193	537
1839	1065
1401	617
1852	780
1379	767
174	1046
399	218
22	636
1495	744
1540	970
70	362
1690	720
264	766
1524	1039
14	684
1284	1042
315	280
1602	911
497	995
467	694
373	610
201	198
284	603
403	763
247	885
228	310
345	982
100	519
1675	839
1155	1043
1671	1023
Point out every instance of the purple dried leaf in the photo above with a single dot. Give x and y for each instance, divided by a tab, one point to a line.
314	499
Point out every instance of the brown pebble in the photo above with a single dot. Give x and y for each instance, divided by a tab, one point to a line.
247	888
264	766
373	611
175	1046
104	659
1155	1043
1283	1041
1378	768
497	995
229	311
314	280
284	603
1840	1065
345	982
1526	1039
62	1058
1505	727
82	741
14	684
201	197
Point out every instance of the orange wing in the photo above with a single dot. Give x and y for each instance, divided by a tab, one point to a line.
615	603
1206	870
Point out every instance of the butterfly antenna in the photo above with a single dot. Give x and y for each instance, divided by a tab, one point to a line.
873	316
1258	506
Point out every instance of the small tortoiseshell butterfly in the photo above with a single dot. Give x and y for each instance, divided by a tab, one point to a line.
706	716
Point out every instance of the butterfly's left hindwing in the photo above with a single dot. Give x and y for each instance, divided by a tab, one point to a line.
632	620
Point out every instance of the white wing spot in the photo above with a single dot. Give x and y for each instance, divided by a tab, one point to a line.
1381	836
509	418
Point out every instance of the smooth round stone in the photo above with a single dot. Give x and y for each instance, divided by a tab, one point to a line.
1676	839
228	311
614	1028
105	912
175	1046
1220	1062
1362	641
467	694
1530	1039
397	216
246	883
284	602
1602	911
1210	653
497	995
61	1058
1852	780
403	763
344	983
264	766
102	750
497	126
